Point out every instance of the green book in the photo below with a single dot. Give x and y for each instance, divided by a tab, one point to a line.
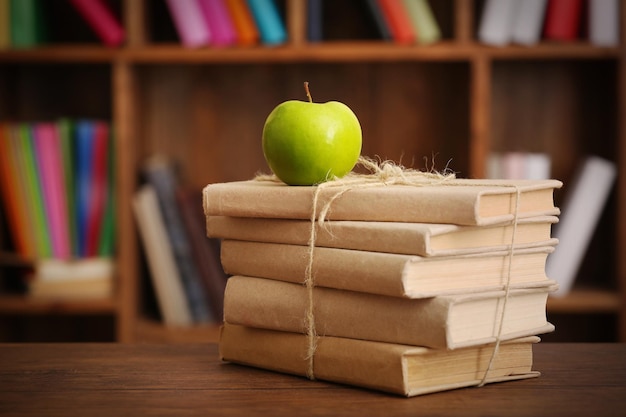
107	237
423	21
27	23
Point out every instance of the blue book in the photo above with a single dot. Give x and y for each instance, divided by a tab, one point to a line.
84	132
315	20
268	20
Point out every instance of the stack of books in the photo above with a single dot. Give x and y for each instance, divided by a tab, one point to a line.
405	289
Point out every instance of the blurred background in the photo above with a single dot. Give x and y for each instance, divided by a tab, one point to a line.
136	92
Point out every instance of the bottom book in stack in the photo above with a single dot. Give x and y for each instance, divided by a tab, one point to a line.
402	346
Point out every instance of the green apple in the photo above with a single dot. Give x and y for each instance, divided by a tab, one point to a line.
307	143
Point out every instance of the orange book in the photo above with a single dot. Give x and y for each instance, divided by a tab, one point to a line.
398	21
13	202
247	32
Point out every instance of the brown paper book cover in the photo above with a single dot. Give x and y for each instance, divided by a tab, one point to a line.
394	368
446	322
389	274
463	202
423	239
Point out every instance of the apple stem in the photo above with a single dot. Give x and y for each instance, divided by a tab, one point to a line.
308	93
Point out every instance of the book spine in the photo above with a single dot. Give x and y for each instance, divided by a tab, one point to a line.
528	22
423	21
563	19
84	151
247	32
5	25
219	22
398	21
315	22
66	133
164	183
604	22
268	20
26	25
379	19
107	237
496	22
189	22
102	20
97	187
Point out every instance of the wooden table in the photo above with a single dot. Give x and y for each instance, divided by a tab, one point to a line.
145	380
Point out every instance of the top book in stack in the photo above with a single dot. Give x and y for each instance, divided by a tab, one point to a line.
458	201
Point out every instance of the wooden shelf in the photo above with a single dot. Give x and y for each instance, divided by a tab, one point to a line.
586	301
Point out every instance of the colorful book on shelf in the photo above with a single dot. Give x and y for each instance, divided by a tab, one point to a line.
475	202
52	178
269	21
26	23
315	20
98	187
398	369
603	22
159	173
380	20
189	22
582	209
243	21
421	239
164	274
563	18
529	22
423	20
101	20
398	21
205	254
497	21
5	24
219	22
66	131
442	322
34	189
389	274
84	142
106	244
12	195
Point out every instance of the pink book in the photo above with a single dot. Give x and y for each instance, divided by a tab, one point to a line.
219	21
48	154
189	22
102	20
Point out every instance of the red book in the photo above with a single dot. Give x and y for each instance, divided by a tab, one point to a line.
98	190
101	19
563	19
398	21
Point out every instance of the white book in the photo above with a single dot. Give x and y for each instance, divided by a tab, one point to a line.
580	213
604	22
166	279
529	21
537	166
496	23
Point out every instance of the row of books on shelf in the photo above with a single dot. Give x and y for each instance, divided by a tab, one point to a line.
26	24
183	263
527	22
395	276
57	193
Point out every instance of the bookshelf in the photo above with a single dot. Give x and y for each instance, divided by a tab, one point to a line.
451	102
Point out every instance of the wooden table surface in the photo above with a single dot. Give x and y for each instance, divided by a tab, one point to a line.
179	380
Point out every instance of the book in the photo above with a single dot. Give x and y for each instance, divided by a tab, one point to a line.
101	20
66	130
379	19
398	21
423	239
442	322
72	279
462	201
528	22
314	20
52	179
159	173
84	144
243	21
218	20
5	24
582	208
563	18
398	369
98	188
11	192
389	274
519	165
423	21
189	22
205	254
603	22
497	21
106	243
268	21
26	23
164	274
